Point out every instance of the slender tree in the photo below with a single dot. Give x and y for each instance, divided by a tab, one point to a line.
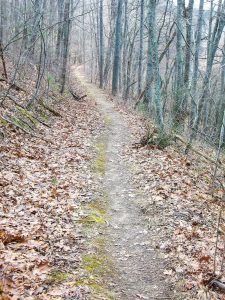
179	63
66	31
117	49
188	52
141	46
101	44
153	59
196	61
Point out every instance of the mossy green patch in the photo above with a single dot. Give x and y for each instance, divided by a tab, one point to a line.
58	276
101	146
3	122
108	120
93	218
91	282
43	115
98	265
100	161
99	205
54	181
28	114
97	287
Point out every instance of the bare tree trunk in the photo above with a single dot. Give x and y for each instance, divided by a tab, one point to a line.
117	49
216	36
188	52
153	58
66	29
60	29
101	44
179	63
196	62
141	46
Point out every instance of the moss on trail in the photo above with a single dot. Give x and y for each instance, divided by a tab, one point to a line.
58	276
93	218
100	161
96	264
108	120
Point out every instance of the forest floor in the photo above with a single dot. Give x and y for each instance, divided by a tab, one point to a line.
87	214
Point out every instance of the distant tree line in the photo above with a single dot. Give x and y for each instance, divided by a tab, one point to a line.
164	57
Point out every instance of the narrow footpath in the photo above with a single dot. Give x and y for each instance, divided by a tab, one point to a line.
138	264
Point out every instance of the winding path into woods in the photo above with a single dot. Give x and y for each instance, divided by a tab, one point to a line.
139	268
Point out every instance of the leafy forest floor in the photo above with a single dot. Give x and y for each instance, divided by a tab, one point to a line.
86	213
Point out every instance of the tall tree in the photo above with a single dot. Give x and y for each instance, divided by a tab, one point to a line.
153	60
196	61
179	63
101	44
141	46
215	39
117	49
188	51
66	31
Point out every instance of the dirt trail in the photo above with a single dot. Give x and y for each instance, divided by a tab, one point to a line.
139	268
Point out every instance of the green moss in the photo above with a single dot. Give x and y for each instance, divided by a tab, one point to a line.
100	164
28	114
89	282
18	122
98	265
58	276
108	120
93	218
96	286
98	205
101	146
3	122
100	161
54	181
44	116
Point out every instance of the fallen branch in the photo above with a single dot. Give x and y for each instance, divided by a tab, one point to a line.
30	115
8	120
75	96
25	112
217	283
13	85
5	118
54	112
